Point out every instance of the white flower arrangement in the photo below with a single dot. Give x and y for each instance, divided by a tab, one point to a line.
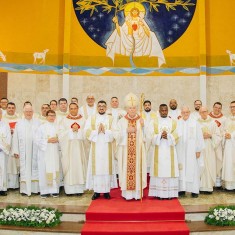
30	216
221	216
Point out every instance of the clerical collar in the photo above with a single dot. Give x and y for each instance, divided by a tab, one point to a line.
208	119
211	114
232	118
74	117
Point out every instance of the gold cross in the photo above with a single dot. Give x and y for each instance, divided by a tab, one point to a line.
131	100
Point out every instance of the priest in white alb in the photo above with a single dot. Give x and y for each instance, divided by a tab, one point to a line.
74	161
13	163
212	138
5	145
101	174
164	170
228	172
219	119
189	148
48	156
131	151
25	148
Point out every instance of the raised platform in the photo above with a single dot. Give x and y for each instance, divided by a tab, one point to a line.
74	208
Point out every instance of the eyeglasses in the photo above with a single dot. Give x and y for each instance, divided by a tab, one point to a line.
51	115
101	106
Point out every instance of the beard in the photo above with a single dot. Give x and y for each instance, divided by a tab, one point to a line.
173	107
147	110
197	109
102	113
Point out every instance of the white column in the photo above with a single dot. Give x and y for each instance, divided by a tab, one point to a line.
65	91
203	89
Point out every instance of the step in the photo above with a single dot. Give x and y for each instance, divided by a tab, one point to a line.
134	228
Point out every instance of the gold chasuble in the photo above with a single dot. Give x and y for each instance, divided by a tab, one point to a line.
131	155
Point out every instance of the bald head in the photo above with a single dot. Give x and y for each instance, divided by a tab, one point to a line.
90	100
28	111
203	111
185	112
173	104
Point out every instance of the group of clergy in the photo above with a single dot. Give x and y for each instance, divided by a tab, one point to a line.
89	147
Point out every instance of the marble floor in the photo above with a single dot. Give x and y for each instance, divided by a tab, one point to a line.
218	197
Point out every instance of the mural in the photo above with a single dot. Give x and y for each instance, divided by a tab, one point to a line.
135	28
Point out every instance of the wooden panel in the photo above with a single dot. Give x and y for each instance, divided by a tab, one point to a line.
3	85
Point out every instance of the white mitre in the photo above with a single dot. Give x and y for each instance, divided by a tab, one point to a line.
131	100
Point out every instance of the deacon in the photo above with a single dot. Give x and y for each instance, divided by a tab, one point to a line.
74	162
219	119
148	115
228	173
25	148
5	145
13	163
174	113
101	174
164	171
212	138
131	151
48	156
188	149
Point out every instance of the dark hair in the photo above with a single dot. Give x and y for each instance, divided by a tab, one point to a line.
27	102
147	101
163	105
75	98
73	104
11	103
217	103
62	99
53	101
46	105
102	102
197	100
4	98
50	111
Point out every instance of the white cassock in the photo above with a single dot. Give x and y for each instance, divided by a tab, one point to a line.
174	114
87	111
208	175
48	159
60	115
13	166
164	170
101	174
5	145
190	141
74	161
3	111
220	121
139	42
131	155
148	117
24	144
228	170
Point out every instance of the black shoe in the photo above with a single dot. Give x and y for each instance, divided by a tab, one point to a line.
3	193
55	195
107	196
43	196
194	195
182	194
79	194
95	196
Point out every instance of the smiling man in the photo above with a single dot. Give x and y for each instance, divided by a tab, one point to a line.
101	174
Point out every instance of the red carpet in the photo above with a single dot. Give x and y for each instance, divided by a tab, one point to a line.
118	216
